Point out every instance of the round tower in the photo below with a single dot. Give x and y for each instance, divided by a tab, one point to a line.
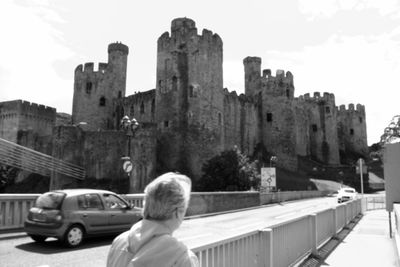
95	91
252	75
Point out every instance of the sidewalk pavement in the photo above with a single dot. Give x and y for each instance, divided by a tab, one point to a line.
367	244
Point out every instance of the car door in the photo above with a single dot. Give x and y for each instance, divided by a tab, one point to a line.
121	216
92	213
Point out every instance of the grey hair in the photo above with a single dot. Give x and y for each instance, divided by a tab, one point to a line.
165	194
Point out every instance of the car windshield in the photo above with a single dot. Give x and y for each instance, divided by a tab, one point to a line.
349	191
50	200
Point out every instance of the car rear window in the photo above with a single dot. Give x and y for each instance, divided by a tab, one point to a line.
349	191
50	200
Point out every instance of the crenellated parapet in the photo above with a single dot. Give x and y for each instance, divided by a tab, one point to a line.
317	98
279	85
118	47
27	108
89	68
184	36
352	108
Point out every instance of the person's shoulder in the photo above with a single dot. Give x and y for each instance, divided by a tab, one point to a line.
187	259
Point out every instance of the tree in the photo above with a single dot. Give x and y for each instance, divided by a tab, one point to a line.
229	171
392	132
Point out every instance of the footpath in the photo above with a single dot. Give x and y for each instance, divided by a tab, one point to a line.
365	242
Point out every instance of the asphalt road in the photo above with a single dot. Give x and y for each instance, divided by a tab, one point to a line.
22	251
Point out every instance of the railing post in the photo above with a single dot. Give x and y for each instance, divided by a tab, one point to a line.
266	248
334	219
313	232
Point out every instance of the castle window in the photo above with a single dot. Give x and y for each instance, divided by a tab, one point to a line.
166	124
191	91
132	111
351	131
119	94
327	109
314	128
142	108
269	117
174	83
161	86
360	119
219	119
89	86
153	106
102	101
287	93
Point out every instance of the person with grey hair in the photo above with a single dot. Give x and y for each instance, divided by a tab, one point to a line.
150	241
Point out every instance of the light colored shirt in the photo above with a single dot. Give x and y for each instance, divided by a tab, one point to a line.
149	243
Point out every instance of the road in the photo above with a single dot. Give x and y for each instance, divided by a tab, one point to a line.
22	251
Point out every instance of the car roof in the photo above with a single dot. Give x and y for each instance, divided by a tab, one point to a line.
79	191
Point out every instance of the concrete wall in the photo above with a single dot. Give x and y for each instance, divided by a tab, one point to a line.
267	198
201	203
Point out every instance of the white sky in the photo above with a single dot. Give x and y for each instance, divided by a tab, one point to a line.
347	47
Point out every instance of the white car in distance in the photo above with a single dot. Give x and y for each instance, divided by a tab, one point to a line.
346	194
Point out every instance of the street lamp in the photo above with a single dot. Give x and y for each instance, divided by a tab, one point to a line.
272	159
129	126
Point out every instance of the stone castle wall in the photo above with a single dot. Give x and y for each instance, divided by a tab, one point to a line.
322	127
352	129
18	115
100	152
95	91
189	117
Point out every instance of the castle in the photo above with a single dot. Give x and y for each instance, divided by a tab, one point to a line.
190	117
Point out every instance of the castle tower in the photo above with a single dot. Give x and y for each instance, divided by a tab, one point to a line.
277	117
189	98
352	129
252	75
320	128
95	91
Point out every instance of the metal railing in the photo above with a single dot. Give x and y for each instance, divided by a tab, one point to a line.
282	244
374	202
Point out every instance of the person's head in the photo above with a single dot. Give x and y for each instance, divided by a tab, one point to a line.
167	197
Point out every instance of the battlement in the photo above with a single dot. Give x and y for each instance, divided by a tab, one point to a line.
184	28
252	60
180	23
118	46
26	107
327	97
358	108
266	73
89	67
234	97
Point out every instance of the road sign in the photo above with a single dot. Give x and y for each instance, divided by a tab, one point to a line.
268	177
127	166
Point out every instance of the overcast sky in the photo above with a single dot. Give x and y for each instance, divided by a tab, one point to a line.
349	47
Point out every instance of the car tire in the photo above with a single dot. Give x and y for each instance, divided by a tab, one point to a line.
38	238
73	237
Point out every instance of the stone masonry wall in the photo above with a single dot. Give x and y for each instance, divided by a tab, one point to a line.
95	91
352	129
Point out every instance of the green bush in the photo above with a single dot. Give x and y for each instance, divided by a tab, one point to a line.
229	171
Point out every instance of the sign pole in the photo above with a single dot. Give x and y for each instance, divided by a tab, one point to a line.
361	177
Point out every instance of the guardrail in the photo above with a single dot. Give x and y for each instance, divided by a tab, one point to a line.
282	244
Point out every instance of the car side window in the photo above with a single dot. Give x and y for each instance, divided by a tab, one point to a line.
114	202
90	201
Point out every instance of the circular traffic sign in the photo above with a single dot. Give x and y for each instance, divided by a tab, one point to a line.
127	166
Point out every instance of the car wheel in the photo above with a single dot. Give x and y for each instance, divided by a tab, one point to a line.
38	238
73	236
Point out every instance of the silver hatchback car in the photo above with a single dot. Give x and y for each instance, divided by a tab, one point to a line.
71	215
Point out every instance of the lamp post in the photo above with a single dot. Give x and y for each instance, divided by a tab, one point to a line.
272	159
129	126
